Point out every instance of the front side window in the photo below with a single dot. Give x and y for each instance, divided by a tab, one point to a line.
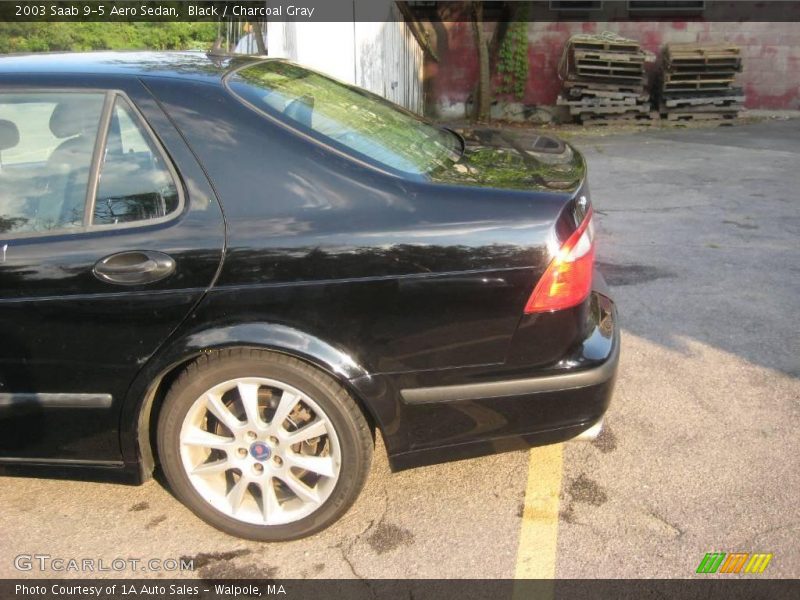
134	183
349	116
46	146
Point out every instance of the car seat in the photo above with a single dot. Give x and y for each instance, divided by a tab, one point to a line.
69	164
9	137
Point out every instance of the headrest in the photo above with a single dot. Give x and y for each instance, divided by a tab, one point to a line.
9	135
70	118
301	109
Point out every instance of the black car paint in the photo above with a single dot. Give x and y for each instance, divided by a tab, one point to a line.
388	283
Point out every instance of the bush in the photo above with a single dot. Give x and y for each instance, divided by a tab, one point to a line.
44	37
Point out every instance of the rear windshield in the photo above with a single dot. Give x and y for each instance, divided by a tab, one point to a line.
348	116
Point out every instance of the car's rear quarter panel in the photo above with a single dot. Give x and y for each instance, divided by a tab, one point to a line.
416	282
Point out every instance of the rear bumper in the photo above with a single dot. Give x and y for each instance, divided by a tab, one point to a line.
453	422
518	387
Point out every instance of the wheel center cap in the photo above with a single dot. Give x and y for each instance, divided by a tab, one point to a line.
260	451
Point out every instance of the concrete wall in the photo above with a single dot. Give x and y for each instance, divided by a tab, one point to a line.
771	51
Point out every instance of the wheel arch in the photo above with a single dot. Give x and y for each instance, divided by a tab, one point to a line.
143	401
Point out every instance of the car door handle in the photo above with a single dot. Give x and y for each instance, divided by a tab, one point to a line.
146	266
134	267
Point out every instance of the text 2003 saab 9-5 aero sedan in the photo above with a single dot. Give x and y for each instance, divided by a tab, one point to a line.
240	270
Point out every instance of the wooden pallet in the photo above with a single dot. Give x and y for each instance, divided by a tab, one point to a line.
679	95
639	120
615	57
597	111
702	51
730	108
595	101
702	58
703	66
590	94
712	76
611	122
626	87
608	45
608	73
701	101
630	67
708	86
702	116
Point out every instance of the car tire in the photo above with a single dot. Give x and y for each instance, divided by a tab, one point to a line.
281	489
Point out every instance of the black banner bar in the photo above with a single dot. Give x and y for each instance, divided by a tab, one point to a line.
387	10
711	588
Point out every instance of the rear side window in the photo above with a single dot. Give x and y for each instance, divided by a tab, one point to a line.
135	183
350	117
46	145
49	144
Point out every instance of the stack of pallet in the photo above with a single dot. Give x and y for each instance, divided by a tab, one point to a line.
604	80
697	82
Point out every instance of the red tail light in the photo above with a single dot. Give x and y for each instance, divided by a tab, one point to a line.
568	278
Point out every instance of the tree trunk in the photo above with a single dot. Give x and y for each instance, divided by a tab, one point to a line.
258	31
483	92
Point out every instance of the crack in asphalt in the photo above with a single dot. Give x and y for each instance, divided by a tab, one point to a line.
679	532
346	549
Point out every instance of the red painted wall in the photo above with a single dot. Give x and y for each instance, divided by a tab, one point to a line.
771	56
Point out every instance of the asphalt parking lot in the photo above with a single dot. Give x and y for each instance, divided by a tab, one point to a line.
699	238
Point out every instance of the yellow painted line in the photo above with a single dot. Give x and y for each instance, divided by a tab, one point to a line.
536	555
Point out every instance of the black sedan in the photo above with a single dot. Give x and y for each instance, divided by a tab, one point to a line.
242	269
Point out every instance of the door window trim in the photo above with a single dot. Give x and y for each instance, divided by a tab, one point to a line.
95	167
97	155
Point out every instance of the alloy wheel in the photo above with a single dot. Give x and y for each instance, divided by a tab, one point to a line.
260	451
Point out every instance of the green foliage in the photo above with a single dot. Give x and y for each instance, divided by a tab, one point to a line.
45	37
512	63
507	168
